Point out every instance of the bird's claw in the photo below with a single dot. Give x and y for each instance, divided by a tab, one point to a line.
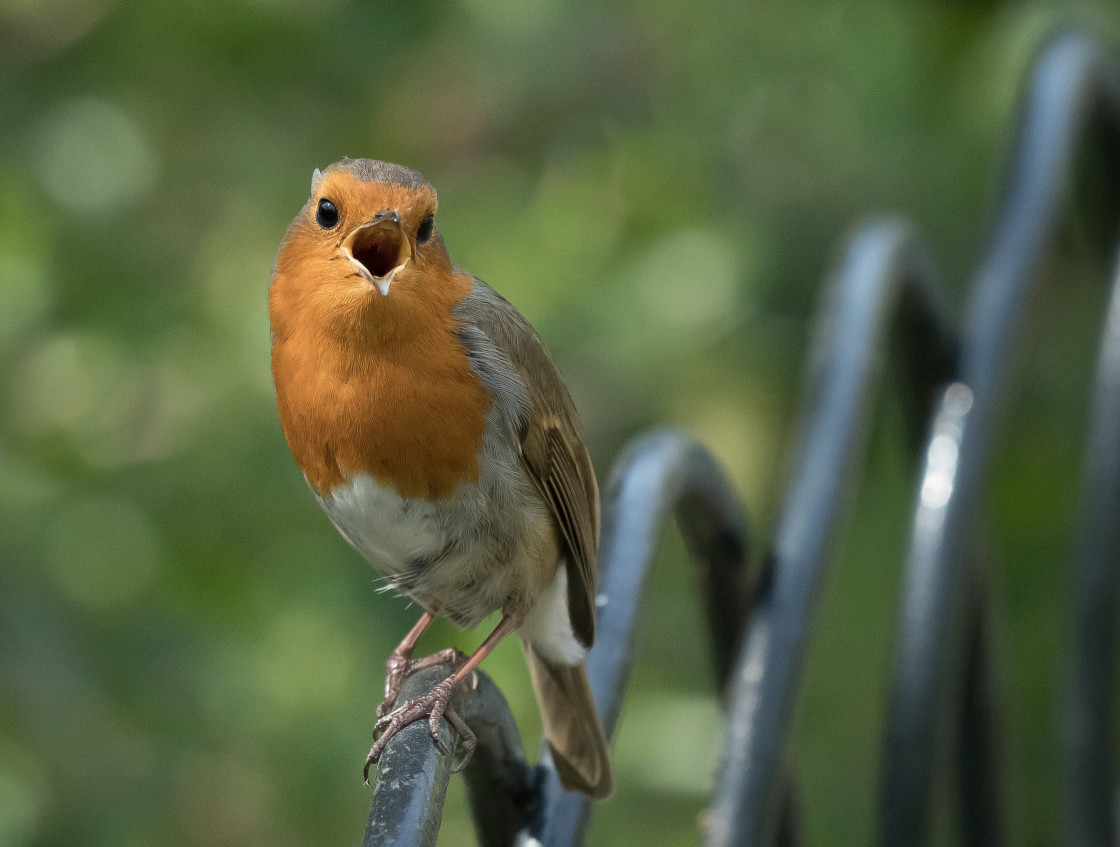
434	705
467	739
399	667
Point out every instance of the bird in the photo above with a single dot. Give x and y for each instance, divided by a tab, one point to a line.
437	434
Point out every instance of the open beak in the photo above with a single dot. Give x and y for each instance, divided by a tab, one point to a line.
379	249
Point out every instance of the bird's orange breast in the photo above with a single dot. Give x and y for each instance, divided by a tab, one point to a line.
388	391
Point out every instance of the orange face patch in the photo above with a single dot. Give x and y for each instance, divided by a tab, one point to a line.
367	383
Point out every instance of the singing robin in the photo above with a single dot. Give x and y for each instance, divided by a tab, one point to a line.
438	436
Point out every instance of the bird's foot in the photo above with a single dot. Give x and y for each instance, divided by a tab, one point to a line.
399	667
433	706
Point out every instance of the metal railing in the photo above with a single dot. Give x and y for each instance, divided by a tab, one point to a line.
882	296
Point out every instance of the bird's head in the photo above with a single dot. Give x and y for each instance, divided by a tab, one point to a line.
365	238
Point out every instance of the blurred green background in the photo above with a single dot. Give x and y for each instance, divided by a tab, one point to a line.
190	655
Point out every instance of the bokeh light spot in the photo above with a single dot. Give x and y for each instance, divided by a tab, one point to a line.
522	18
689	280
91	156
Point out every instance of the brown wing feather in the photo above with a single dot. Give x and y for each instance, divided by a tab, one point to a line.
552	447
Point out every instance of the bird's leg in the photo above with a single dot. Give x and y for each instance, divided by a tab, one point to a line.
399	664
434	704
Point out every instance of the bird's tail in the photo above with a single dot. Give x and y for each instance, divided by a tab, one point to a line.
571	726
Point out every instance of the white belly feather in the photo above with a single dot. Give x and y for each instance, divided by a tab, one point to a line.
466	575
389	531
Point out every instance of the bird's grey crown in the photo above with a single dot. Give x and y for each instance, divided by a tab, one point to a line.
371	170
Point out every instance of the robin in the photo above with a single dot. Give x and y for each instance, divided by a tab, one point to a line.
438	436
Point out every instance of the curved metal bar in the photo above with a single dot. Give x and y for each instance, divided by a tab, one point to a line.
660	473
885	279
1073	82
413	773
1090	745
979	750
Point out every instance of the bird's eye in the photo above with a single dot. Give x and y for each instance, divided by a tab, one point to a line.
425	230
327	214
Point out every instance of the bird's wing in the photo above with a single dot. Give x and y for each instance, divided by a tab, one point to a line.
552	447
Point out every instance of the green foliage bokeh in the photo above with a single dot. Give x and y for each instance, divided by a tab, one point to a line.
189	653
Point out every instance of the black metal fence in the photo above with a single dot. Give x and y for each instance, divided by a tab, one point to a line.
884	292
